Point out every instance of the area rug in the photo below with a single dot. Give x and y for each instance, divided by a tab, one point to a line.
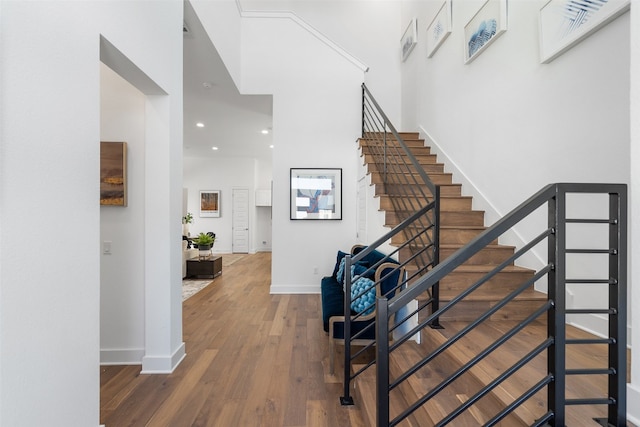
191	287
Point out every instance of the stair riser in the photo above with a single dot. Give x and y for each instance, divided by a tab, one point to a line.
468	310
446	204
415	147
412	182
486	256
430	168
422	160
490	255
446	190
403	135
447	218
501	283
460	236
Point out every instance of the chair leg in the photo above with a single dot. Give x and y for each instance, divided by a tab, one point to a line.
332	355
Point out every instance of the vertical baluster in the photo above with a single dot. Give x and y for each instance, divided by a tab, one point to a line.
556	317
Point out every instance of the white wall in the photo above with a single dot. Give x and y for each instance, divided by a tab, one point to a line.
122	270
367	29
316	103
49	162
507	125
225	174
316	110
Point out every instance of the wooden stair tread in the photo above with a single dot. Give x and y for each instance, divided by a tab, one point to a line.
480	268
482	374
483	295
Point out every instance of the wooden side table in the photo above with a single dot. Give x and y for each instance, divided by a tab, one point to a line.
210	266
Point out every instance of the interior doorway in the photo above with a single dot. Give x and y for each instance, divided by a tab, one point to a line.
240	221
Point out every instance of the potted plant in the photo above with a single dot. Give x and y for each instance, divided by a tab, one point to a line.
186	220
204	243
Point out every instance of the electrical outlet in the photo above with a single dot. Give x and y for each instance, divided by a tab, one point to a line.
315	270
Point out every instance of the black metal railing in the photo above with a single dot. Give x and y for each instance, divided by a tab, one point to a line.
584	243
412	203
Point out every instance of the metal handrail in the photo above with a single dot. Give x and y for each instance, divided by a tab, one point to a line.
554	196
415	202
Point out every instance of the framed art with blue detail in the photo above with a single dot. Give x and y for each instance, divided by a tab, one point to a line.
565	23
439	29
409	39
316	194
484	28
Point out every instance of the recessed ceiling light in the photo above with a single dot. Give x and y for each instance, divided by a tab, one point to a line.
214	148
265	131
271	146
200	125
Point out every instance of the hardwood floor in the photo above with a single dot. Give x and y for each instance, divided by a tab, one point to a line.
253	359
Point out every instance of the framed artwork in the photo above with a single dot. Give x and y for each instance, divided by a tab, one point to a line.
113	173
565	23
484	28
210	203
439	29
316	194
409	39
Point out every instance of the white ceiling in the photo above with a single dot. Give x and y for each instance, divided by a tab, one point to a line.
232	122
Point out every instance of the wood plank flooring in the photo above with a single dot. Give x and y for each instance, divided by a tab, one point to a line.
253	359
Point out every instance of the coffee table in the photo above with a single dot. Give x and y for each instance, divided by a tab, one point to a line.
210	267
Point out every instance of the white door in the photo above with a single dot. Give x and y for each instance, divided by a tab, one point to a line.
240	225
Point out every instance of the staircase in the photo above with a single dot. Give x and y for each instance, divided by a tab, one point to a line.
459	223
492	350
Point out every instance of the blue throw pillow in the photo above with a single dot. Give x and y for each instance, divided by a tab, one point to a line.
340	273
339	258
367	299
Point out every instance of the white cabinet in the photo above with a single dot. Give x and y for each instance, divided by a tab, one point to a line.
263	197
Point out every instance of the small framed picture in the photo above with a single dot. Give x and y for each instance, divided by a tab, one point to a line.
113	173
210	203
563	23
484	28
409	39
439	29
316	194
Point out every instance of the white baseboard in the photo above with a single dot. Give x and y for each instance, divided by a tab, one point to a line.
593	323
295	289
163	364
121	356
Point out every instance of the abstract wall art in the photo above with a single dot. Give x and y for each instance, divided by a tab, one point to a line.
565	23
484	28
439	29
316	194
210	203
113	173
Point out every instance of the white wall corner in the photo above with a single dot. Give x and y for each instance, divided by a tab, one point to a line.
307	27
163	364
